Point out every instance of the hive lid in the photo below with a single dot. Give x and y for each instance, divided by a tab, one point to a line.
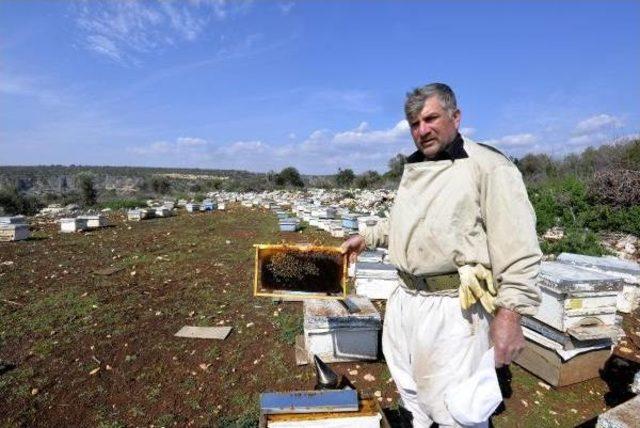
330	314
604	264
564	278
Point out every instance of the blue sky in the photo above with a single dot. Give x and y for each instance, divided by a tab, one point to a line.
319	85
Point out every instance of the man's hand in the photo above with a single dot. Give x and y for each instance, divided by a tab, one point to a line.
353	246
506	335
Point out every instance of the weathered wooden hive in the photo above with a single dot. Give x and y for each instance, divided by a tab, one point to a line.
575	298
628	271
138	214
335	333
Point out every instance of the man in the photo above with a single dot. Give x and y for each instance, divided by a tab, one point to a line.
462	236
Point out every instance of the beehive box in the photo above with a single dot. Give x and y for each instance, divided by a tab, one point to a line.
628	271
137	214
94	221
71	225
13	232
302	271
574	297
336	334
193	207
369	415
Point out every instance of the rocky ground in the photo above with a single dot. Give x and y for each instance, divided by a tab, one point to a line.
88	322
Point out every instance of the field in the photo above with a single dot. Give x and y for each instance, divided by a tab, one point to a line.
87	324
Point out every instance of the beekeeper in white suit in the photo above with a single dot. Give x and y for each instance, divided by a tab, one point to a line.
462	236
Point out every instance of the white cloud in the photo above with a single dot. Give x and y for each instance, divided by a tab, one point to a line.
597	124
467	131
514	141
182	147
286	7
124	30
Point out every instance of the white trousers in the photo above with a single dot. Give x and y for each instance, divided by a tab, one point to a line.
429	344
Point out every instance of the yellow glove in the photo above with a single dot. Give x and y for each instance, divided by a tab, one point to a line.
476	284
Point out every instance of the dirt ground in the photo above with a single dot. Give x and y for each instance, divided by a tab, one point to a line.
87	324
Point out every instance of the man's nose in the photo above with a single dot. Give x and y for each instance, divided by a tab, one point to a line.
424	130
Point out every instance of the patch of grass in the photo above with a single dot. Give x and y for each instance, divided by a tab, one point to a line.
153	393
290	326
212	353
58	310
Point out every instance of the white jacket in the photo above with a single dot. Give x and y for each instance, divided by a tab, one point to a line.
468	211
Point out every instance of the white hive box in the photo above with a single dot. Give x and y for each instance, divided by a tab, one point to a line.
71	225
192	207
94	221
335	335
574	298
137	214
628	271
373	279
375	256
14	219
162	211
625	415
222	206
13	231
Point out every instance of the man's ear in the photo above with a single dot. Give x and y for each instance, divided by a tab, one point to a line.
457	115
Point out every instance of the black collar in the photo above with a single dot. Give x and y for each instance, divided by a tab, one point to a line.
455	150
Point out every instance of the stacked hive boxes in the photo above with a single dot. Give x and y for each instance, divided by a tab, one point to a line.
570	337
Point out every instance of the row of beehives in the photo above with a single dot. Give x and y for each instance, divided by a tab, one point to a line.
358	200
14	228
168	207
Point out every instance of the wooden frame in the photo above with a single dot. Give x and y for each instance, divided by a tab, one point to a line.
261	249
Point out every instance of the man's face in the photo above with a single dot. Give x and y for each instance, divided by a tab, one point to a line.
433	128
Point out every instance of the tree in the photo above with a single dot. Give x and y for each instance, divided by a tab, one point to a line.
88	194
289	175
345	177
396	165
160	185
367	179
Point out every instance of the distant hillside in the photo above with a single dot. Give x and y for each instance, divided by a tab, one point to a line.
59	179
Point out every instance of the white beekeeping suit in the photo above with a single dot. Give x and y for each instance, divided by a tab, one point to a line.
448	216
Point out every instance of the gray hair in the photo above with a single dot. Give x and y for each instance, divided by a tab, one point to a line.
416	99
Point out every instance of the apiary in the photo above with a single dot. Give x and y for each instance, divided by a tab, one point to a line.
192	207
302	271
94	221
71	225
574	298
335	333
13	231
628	271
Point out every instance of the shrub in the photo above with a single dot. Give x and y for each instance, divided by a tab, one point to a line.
619	188
116	204
14	202
576	240
88	194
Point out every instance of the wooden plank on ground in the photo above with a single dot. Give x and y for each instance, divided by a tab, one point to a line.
220	333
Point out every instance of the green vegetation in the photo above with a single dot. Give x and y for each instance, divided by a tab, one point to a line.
116	204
